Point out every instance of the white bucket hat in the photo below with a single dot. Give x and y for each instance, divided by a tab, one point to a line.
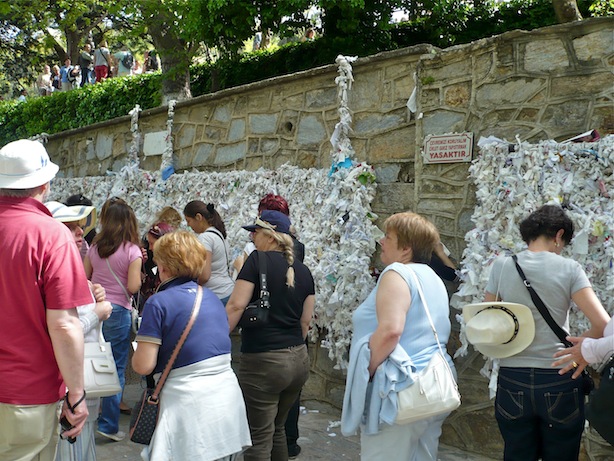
25	164
74	213
499	329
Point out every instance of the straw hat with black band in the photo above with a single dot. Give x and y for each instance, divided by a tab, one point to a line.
84	215
499	329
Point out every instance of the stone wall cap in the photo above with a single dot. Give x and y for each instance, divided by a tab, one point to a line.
576	29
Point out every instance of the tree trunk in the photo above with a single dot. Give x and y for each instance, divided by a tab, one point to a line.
175	78
566	10
175	59
58	48
72	45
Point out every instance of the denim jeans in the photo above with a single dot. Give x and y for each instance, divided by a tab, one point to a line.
540	414
116	330
271	382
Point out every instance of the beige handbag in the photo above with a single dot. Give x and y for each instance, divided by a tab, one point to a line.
100	373
434	391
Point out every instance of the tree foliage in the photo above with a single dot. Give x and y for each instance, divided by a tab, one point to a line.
170	26
32	33
226	24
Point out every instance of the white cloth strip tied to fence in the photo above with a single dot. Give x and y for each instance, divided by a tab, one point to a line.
135	145
342	147
332	216
512	182
330	210
166	165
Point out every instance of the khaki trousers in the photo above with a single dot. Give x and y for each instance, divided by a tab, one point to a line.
28	432
271	382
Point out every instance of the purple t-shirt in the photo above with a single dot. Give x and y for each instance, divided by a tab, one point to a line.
120	262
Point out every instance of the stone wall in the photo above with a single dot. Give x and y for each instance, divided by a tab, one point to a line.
551	83
282	120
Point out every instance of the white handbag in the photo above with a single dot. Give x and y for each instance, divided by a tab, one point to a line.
100	373
434	391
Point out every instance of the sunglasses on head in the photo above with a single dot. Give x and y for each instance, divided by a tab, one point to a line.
156	231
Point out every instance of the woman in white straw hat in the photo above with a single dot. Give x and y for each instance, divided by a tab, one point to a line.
80	219
91	317
540	412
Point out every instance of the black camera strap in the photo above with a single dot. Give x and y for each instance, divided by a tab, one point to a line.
264	290
541	307
558	331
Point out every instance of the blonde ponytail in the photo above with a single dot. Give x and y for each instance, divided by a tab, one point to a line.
286	245
288	249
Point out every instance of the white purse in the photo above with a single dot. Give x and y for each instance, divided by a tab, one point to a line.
435	391
100	373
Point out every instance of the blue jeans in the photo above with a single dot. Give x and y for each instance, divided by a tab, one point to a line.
540	414
116	330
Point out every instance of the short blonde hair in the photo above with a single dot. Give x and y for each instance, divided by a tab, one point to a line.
170	216
415	232
181	254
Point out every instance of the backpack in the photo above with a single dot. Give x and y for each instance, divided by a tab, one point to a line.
72	73
152	61
128	60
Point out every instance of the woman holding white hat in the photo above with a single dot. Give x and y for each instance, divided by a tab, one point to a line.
205	220
540	412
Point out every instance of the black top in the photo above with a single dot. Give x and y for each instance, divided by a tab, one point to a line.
444	272
299	249
284	326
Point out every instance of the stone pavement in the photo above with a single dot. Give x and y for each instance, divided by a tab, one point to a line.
321	438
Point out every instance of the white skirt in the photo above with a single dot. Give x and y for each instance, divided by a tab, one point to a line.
202	414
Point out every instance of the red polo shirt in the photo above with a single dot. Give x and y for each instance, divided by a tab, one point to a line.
40	269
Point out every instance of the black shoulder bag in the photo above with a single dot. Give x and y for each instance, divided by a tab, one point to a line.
256	313
587	381
600	407
145	413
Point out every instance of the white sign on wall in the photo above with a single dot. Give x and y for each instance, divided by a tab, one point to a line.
154	143
448	148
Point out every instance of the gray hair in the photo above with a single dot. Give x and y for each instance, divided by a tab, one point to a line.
31	192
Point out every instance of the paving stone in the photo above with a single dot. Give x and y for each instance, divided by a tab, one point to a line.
320	439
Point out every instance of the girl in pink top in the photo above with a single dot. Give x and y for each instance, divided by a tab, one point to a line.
114	261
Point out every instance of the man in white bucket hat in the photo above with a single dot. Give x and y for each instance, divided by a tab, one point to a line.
41	285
